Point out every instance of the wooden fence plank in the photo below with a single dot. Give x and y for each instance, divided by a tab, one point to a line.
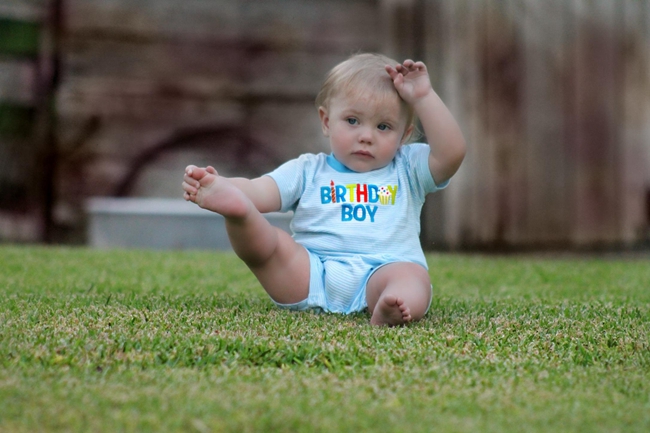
24	10
17	81
646	130
401	35
451	78
187	70
154	19
484	212
319	24
154	60
635	120
288	129
545	30
565	162
461	80
502	70
138	100
434	44
513	148
646	133
597	181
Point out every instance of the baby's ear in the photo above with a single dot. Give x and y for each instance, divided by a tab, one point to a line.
324	120
407	134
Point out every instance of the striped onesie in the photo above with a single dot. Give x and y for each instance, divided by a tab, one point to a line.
353	223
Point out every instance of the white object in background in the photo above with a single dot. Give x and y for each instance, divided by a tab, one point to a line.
158	223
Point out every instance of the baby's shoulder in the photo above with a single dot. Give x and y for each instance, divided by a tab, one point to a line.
412	149
309	161
313	156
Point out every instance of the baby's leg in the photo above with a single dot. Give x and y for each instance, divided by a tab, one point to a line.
398	293
279	263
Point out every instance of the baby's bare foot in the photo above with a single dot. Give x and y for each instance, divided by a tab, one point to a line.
390	310
213	192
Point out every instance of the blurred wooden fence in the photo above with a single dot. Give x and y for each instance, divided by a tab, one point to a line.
553	97
148	87
26	131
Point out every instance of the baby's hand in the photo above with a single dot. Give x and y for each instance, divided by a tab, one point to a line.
411	80
192	180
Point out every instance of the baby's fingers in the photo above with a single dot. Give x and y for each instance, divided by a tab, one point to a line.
410	66
418	66
391	71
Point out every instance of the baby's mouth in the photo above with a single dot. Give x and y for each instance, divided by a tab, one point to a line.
363	153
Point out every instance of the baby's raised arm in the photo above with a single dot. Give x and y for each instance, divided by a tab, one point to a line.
262	192
412	82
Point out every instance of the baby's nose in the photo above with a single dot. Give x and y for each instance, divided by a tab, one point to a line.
365	135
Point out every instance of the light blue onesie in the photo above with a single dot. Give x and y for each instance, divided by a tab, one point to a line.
353	223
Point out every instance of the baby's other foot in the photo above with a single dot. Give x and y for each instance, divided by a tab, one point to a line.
212	192
390	310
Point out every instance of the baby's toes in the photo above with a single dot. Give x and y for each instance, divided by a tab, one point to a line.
406	312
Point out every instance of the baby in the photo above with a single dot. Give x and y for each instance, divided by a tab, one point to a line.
356	223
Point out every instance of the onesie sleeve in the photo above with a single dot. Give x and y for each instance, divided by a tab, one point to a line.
290	178
417	157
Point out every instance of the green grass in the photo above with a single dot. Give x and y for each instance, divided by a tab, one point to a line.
188	341
19	38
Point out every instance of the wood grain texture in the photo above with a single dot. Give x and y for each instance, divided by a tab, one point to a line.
553	100
24	10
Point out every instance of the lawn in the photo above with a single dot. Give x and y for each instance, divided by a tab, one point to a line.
188	341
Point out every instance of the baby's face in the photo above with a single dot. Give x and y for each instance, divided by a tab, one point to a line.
365	132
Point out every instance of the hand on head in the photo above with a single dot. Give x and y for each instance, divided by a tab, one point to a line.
411	80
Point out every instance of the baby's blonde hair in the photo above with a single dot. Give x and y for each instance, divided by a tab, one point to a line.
362	73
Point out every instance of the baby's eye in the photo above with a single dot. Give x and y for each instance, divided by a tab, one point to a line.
352	120
383	127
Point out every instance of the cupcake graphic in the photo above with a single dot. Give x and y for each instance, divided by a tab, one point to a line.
384	195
